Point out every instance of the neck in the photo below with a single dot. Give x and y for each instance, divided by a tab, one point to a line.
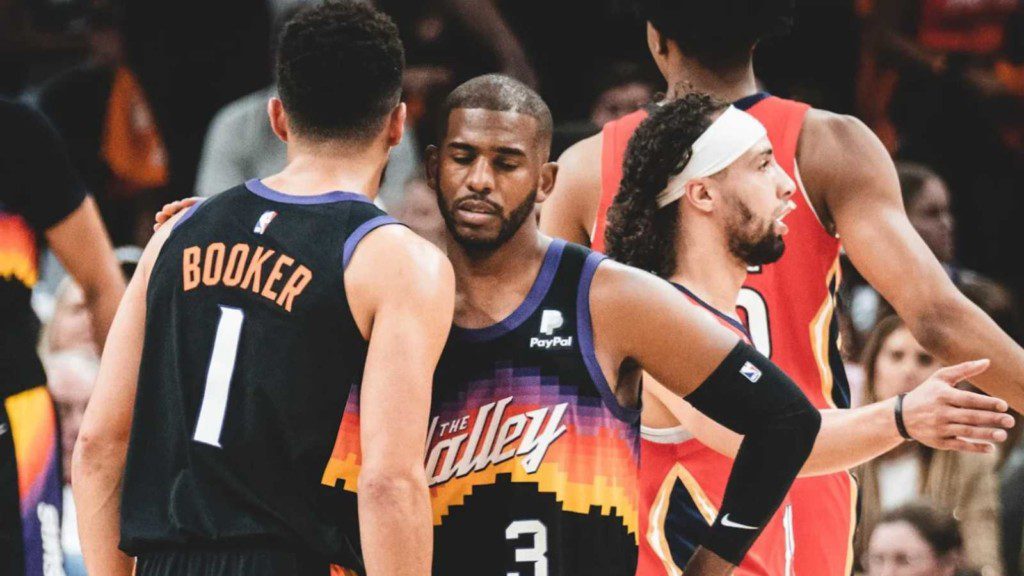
709	270
319	168
520	253
730	83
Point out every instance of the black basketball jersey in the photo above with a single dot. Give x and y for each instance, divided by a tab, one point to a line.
250	355
532	462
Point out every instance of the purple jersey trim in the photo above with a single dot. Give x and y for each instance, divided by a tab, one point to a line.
188	214
537	293
585	330
263	191
732	321
359	233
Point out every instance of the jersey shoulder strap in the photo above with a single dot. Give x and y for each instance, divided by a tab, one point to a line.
614	139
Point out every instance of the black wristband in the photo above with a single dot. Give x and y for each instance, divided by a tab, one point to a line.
900	425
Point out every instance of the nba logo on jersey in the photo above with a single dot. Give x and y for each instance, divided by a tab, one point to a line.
265	219
750	372
550	321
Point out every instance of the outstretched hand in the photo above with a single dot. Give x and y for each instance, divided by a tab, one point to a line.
941	416
169	210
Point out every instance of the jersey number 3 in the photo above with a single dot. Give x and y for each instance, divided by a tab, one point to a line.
538	553
218	377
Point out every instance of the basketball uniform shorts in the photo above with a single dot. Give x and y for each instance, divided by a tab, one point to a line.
234	562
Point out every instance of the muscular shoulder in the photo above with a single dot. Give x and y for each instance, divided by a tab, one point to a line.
393	261
839	155
572	207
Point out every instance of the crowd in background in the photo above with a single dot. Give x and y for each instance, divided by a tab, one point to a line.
158	100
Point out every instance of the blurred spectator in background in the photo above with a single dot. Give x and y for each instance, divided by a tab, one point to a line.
914	540
624	88
1011	496
240	144
955	70
70	327
927	200
102	114
191	57
40	198
962	484
71	376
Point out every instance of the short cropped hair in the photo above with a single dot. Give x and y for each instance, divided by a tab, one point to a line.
339	70
499	93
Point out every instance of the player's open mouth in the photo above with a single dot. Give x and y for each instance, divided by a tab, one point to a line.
780	225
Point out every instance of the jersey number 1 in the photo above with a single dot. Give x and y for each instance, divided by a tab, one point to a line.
218	377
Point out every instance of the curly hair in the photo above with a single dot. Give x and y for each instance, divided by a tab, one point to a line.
718	31
639	233
339	70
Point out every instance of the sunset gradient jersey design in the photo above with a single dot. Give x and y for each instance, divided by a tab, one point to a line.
34	427
593	463
18	253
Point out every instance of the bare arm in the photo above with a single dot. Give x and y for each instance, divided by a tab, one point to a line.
861	195
935	413
642	321
81	244
101	449
403	299
570	210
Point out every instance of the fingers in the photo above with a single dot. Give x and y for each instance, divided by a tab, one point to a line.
976	433
963	371
981	418
975	401
965	446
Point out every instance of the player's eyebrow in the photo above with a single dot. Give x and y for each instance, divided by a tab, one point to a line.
503	150
766	151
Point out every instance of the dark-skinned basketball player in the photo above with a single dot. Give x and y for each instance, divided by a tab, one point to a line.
532	453
532	449
847	187
702	229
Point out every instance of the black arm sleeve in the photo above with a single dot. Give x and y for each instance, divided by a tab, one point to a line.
39	181
753	397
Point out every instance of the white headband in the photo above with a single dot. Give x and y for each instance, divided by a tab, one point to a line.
728	138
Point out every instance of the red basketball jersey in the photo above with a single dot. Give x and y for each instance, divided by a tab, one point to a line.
682	484
790	310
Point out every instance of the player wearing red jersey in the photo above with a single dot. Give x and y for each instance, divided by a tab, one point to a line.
701	232
847	187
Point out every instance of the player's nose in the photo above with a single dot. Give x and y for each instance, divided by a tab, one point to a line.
481	176
786	187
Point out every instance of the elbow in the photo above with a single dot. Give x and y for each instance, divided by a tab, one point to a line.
805	424
932	323
94	451
389	486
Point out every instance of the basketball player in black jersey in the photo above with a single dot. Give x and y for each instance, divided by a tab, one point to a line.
534	425
532	450
255	322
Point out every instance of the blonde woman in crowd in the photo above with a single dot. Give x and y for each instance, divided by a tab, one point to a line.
962	484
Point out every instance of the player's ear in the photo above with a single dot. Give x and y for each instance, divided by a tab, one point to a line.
700	194
656	43
396	124
546	183
432	162
278	118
